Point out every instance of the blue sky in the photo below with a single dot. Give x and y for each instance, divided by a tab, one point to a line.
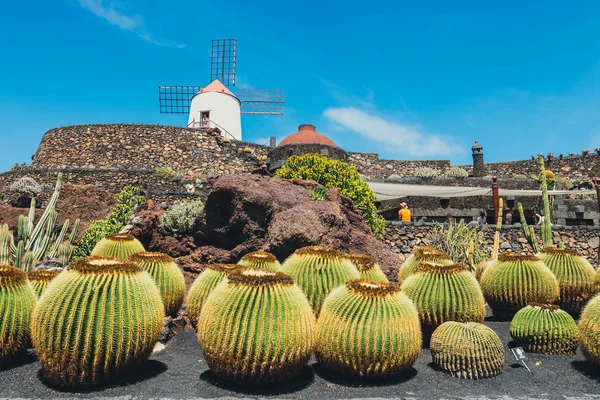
406	80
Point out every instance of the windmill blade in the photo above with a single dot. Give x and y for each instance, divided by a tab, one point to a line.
261	101
223	59
176	99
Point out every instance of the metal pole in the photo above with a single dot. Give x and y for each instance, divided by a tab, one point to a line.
597	186
495	197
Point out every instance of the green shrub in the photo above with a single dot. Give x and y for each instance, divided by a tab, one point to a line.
463	243
457	172
26	186
426	172
128	200
182	217
318	194
341	176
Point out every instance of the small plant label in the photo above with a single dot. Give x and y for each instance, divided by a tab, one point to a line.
520	356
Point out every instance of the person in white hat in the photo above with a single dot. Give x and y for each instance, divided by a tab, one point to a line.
404	213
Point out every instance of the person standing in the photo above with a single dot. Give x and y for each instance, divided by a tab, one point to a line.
404	213
509	216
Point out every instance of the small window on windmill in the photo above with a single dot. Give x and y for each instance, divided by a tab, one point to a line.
204	119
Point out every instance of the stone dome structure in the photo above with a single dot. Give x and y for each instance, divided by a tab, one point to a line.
306	141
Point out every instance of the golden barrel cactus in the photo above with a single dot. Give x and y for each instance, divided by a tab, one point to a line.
368	267
256	328
575	277
420	254
17	301
589	331
167	276
368	330
545	328
40	279
513	281
119	245
205	283
444	293
97	321
260	260
467	350
318	270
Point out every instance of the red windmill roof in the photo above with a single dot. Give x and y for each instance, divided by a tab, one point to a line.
216	86
307	134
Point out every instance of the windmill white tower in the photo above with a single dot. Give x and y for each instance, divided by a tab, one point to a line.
215	105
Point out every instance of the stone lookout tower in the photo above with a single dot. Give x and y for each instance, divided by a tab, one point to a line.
478	167
306	141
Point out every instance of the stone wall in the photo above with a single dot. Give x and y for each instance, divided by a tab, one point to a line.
370	165
402	239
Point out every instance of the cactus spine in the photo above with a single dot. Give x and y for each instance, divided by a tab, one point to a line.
41	279
260	260
368	267
203	286
119	245
318	270
17	301
368	330
545	328
575	277
444	293
256	328
419	254
589	331
467	350
98	320
513	281
167	276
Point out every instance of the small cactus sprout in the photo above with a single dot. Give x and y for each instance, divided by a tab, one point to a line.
467	350
368	267
545	328
444	293
368	330
98	320
119	245
575	277
318	270
204	284
256	328
260	260
17	301
513	281
167	276
41	279
419	254
589	331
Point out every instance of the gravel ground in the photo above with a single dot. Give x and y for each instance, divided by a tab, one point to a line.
180	372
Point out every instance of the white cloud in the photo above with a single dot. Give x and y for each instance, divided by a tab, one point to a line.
405	139
114	16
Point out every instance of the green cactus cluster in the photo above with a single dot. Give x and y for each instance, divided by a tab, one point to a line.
119	245
204	284
368	267
256	328
467	350
318	270
513	281
167	276
545	328
41	279
589	331
97	321
444	293
368	330
420	254
17	301
260	260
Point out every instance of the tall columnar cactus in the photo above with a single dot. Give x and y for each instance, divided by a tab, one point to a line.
368	267
589	331
545	328
119	245
368	330
318	270
575	277
204	284
97	321
514	281
444	293
495	247
41	279
260	260
17	301
167	276
256	328
467	350
419	254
